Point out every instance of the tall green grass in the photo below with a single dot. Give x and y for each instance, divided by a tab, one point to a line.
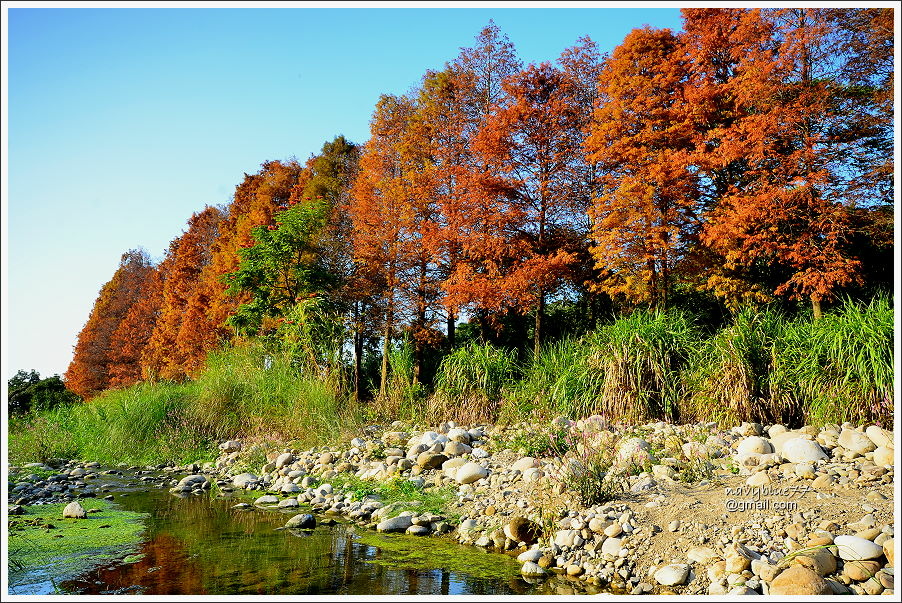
235	396
471	383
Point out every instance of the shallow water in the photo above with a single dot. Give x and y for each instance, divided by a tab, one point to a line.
201	545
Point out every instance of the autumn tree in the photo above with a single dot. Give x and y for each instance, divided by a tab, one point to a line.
89	370
129	341
646	215
171	350
533	188
791	208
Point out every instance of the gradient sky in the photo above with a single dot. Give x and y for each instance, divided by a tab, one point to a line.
122	122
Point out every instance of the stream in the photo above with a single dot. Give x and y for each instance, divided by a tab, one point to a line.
201	545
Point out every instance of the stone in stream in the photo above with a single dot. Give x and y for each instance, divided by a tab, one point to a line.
303	521
191	481
288	502
243	480
532	569
75	510
267	499
395	524
854	548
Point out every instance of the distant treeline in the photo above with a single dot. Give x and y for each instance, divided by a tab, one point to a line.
745	159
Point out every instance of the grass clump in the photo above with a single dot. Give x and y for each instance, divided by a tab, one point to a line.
471	382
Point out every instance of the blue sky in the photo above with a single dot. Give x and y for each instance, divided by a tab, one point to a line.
122	122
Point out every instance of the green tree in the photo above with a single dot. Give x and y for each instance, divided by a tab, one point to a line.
27	391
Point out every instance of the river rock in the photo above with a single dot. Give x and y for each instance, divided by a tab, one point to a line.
230	446
855	441
799	580
290	488
302	521
855	548
759	478
395	524
190	481
884	457
524	463
801	450
455	448
75	510
754	445
456	434
469	473
286	458
267	499
532	569
820	561
861	570
431	460
288	502
673	574
416	530
520	529
611	546
530	555
889	549
632	449
879	436
243	480
702	555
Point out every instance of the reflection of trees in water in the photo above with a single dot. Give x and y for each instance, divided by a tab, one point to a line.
203	546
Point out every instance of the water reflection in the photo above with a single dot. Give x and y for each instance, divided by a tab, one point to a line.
202	546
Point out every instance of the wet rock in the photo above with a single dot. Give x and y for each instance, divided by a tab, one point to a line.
267	499
531	569
302	521
395	524
191	481
245	480
416	530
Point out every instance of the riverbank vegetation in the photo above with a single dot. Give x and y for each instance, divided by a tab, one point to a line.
635	235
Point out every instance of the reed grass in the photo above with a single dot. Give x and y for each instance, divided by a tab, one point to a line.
470	384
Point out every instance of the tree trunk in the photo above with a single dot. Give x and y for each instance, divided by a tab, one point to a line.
816	307
358	352
537	332
451	329
386	343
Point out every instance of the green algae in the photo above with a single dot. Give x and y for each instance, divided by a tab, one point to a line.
45	547
424	553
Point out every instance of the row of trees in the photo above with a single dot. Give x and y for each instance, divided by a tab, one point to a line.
745	157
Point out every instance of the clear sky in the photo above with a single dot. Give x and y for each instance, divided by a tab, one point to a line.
122	122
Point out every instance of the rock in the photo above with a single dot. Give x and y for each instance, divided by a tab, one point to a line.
524	463
243	480
597	524
800	450
302	521
531	569
395	524
566	537
884	457
855	548
673	574
520	529
611	546
416	530
633	449
573	570
820	561
532	474
457	434
290	488
759	478
75	510
889	549
805	470
702	555
531	555
879	436
855	441
326	458
230	446
754	445
469	473
823	482
283	459
861	570
673	526
455	448
267	499
190	481
663	472
799	580
431	460
288	502
613	530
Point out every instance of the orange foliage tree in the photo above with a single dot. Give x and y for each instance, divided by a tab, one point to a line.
645	217
93	367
